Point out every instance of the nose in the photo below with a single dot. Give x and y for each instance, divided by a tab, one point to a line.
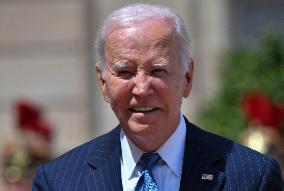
142	85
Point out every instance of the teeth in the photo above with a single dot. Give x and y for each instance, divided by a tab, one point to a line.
143	109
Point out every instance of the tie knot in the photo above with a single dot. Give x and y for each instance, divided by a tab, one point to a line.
149	160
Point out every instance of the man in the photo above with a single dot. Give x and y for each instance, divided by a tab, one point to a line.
145	70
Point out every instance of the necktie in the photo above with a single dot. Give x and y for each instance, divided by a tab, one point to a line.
147	182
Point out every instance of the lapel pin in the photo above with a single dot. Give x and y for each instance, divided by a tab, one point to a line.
207	176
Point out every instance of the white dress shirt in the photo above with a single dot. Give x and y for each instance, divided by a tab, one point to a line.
167	172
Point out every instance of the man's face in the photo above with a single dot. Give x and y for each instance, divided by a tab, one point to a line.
144	81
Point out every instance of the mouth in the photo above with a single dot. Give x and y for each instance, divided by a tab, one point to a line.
143	109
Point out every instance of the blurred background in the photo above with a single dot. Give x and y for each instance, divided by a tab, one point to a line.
49	97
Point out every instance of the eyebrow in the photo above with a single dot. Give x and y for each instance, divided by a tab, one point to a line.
161	63
119	65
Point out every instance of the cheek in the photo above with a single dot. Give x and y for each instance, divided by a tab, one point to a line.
174	90
165	91
172	86
118	91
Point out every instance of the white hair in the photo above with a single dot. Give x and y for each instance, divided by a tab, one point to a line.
135	13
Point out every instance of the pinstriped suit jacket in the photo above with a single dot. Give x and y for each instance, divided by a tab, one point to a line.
96	166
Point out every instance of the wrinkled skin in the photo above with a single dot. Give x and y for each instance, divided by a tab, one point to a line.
144	81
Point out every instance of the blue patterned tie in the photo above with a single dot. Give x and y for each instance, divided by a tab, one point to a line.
147	182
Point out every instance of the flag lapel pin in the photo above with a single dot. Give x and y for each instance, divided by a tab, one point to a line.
207	176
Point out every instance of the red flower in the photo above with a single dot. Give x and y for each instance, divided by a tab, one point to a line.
27	113
29	118
260	109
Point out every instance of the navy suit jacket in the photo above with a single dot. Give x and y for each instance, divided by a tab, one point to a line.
95	166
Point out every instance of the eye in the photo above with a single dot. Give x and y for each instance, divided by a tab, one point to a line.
158	72
125	74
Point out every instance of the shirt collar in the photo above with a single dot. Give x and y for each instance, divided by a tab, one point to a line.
176	143
130	153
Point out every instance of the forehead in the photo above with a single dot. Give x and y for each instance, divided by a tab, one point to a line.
145	35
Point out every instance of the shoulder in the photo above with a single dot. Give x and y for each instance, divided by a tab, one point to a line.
249	167
242	166
80	153
231	150
74	163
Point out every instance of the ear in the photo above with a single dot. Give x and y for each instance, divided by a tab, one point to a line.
102	83
189	78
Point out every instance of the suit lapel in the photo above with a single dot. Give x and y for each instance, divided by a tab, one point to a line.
203	163
204	155
104	173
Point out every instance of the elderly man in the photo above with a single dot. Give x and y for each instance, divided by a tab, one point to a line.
145	70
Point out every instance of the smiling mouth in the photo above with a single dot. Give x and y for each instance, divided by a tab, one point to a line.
143	109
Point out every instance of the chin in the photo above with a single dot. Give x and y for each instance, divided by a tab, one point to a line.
141	128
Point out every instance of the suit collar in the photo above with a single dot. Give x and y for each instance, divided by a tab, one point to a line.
105	159
204	155
104	147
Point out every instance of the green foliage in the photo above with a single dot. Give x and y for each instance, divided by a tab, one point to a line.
245	70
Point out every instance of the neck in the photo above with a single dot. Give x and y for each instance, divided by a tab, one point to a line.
151	142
